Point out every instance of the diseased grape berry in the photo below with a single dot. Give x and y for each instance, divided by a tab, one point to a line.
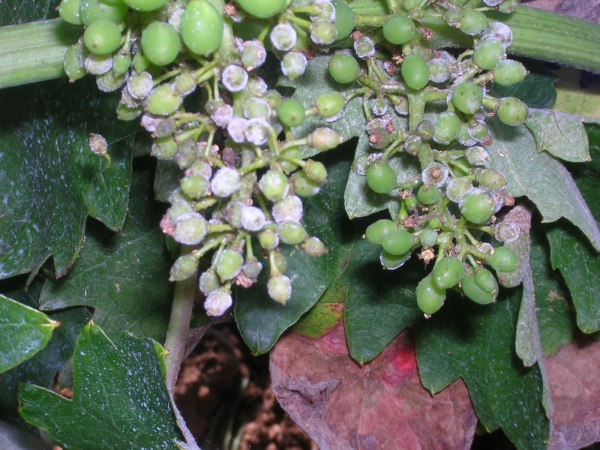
475	293
194	186
512	111
316	171
164	148
109	82
343	68
73	63
225	182
509	72
478	156
398	29
393	262
291	113
364	47
264	9
439	70
234	78
491	179
430	298
486	281
506	231
268	239
397	242
208	282
280	288
274	185
257	107
121	62
503	260
304	186
322	32
415	72
324	139
428	194
381	178
435	173
160	43
345	19
102	37
428	237
229	264
488	53
183	268
252	268
291	232
293	64
457	188
288	209
91	11
217	302
467	97
313	247
283	37
201	27
330	104
145	5
477	206
253	55
190	229
257	131
378	230
448	272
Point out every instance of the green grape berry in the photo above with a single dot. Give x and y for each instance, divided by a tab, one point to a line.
145	5
194	186
69	11
488	53
477	207
398	242
486	281
268	239
73	63
229	264
446	128
202	26
160	43
512	111
291	113
263	9
316	171
472	22
491	179
92	10
378	230
428	194
291	232
163	101
467	97
304	186
503	260
345	19
448	272
190	229
330	104
430	298
398	30
121	62
381	178
322	32
279	288
183	268
140	62
324	139
102	37
415	72
475	293
274	185
428	237
343	68
509	72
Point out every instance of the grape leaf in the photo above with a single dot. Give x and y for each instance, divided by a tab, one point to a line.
541	178
562	135
13	12
477	343
578	263
573	99
23	332
42	367
49	179
537	89
120	399
260	319
124	276
14	439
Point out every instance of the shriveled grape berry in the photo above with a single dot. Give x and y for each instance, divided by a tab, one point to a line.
448	272
343	68
381	178
430	298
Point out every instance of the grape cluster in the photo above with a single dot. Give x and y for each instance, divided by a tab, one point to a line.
243	174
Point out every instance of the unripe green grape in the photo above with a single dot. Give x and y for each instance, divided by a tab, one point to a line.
125	112
264	9
477	207
202	27
190	230
288	209
140	85
292	152
69	11
217	302
467	97
293	64
325	11
452	17
283	37
92	10
225	182
509	72
512	111
425	130
145	5
291	233
428	237
464	138
428	194
164	128
415	72
472	22
330	104
503	260
183	268
73	63
102	37
508	6
435	222
254	54
345	19
322	32
397	242
268	239
160	43
343	68
257	131
194	186
274	185
112	2
97	64
381	178
475	293
233	213
229	264
409	5
140	62
163	101
447	272
446	128
279	288
378	230
486	281
488	53
208	282
411	202
304	186
164	148
291	113
316	171
399	29
457	188
393	262
121	62
257	107
252	268
324	139
439	70
491	179
430	298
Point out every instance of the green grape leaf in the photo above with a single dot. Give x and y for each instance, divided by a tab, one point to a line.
476	343
42	367
23	332
579	264
540	177
573	98
124	276
260	319
50	179
562	135
14	12
326	313
120	399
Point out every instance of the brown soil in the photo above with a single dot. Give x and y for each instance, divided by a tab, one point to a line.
224	394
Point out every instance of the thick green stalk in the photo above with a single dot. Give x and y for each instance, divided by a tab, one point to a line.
34	51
